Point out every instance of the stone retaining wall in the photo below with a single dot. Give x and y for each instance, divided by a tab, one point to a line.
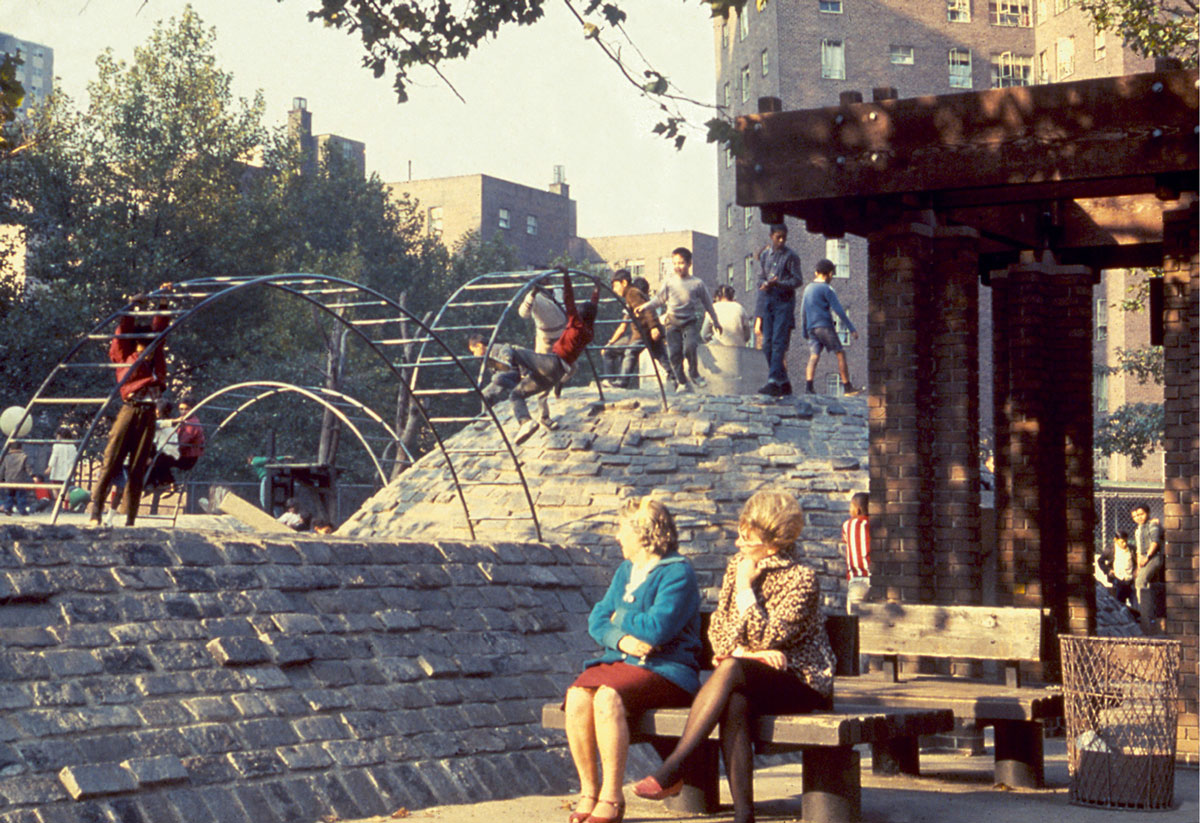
186	677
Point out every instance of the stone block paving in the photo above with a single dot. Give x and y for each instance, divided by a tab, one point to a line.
149	676
703	457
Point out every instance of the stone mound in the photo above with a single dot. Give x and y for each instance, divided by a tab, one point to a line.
703	457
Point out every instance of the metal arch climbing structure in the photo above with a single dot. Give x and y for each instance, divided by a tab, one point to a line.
339	404
377	321
485	304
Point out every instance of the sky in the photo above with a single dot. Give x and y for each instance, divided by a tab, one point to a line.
536	97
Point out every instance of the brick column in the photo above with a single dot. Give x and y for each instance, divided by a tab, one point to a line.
923	409
1042	353
1181	497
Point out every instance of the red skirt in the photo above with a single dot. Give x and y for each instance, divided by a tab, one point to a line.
640	689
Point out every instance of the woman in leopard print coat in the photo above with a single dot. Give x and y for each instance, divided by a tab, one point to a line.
770	650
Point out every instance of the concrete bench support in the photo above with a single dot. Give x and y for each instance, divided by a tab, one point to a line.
900	755
1019	758
832	785
701	794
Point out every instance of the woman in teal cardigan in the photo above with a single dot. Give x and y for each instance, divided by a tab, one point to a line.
648	624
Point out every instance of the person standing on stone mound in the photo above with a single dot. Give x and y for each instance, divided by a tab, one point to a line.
538	373
770	650
648	624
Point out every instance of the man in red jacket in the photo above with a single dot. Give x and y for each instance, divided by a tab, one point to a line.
131	439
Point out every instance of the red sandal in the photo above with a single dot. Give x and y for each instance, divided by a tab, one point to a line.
619	805
580	817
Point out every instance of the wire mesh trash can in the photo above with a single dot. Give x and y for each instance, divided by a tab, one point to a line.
1120	696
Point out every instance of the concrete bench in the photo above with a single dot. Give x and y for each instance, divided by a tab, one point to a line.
831	785
1017	714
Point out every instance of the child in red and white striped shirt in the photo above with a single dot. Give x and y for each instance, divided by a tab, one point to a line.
856	535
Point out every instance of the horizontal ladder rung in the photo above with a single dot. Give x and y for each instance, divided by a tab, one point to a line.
402	341
41	441
93	365
375	303
493	286
427	392
478	327
479	303
155	312
454	419
141	335
6	485
68	400
379	321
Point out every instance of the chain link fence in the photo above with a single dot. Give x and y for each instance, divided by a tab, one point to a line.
1114	508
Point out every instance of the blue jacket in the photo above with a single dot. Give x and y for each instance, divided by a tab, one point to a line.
664	612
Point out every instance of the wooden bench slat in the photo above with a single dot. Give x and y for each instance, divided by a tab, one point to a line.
975	632
970	700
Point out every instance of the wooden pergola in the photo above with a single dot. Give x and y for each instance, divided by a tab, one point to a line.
1029	191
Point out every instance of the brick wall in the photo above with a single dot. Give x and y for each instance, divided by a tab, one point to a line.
1042	327
187	677
1181	499
923	407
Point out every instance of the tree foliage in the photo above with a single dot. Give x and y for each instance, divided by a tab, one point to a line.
166	176
1134	430
1150	28
12	94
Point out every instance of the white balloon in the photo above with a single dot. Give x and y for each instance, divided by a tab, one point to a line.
9	418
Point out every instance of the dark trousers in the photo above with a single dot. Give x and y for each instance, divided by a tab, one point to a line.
683	340
778	320
132	439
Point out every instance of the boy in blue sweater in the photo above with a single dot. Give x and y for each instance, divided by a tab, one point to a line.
819	304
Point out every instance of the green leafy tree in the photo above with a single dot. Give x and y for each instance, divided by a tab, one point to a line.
1151	28
12	94
1133	429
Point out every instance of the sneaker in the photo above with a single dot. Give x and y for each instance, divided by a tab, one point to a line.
548	424
770	389
785	390
108	518
526	431
700	381
849	391
684	388
809	388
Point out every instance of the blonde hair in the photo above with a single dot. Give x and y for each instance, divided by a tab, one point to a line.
775	516
652	523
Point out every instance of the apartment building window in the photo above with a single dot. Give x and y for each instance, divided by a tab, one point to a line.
728	157
959	61
724	35
747	215
728	95
833	385
749	273
901	55
1043	10
743	23
842	331
1044	66
833	60
838	252
1101	318
729	215
1066	57
1009	69
531	225
1011	13
830	6
435	221
503	219
958	11
637	268
666	265
1100	392
729	274
1100	46
745	83
1062	5
766	62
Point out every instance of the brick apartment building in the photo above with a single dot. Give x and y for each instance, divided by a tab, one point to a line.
807	53
540	225
314	147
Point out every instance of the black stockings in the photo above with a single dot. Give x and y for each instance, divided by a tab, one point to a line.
733	696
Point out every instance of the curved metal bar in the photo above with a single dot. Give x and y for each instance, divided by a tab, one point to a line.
285	282
532	280
274	388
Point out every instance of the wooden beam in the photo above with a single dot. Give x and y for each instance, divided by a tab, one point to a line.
1091	138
